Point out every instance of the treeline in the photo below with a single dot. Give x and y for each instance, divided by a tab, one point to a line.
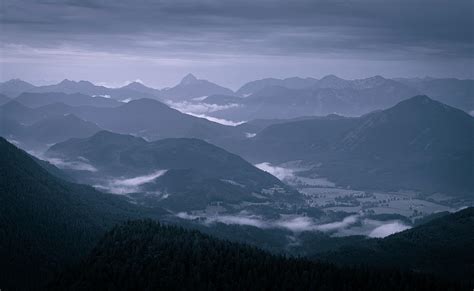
146	255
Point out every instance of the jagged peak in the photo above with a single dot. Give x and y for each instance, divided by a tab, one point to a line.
188	79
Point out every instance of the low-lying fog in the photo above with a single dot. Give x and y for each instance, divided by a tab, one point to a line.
200	109
128	185
319	192
350	225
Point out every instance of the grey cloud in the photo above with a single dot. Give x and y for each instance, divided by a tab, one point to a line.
388	229
266	27
235	40
129	185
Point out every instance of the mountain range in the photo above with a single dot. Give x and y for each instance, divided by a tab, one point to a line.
15	87
319	97
35	100
418	144
300	96
145	117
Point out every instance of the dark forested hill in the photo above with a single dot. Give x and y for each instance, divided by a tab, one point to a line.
197	172
144	255
442	246
46	222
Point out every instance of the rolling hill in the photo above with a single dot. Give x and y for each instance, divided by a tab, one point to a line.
197	173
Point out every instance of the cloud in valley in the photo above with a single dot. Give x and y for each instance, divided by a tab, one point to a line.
72	165
200	110
279	172
81	164
388	229
297	224
129	185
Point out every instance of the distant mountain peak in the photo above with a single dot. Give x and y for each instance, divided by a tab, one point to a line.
135	85
377	77
85	82
421	99
424	104
332	81
66	82
105	136
331	78
15	81
188	79
145	101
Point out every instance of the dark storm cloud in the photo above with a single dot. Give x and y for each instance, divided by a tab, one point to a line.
406	28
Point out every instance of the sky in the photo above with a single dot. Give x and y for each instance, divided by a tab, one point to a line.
112	42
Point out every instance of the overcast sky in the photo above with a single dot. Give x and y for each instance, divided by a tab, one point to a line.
231	42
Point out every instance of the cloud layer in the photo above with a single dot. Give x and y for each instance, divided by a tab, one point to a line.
200	109
234	41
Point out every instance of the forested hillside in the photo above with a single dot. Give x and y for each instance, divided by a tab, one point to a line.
45	222
145	255
442	246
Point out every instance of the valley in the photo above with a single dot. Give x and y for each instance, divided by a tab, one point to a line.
236	145
309	186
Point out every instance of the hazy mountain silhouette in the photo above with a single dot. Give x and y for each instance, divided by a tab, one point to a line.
59	128
454	92
15	87
290	83
320	97
4	99
190	87
153	119
15	111
34	100
140	87
418	144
